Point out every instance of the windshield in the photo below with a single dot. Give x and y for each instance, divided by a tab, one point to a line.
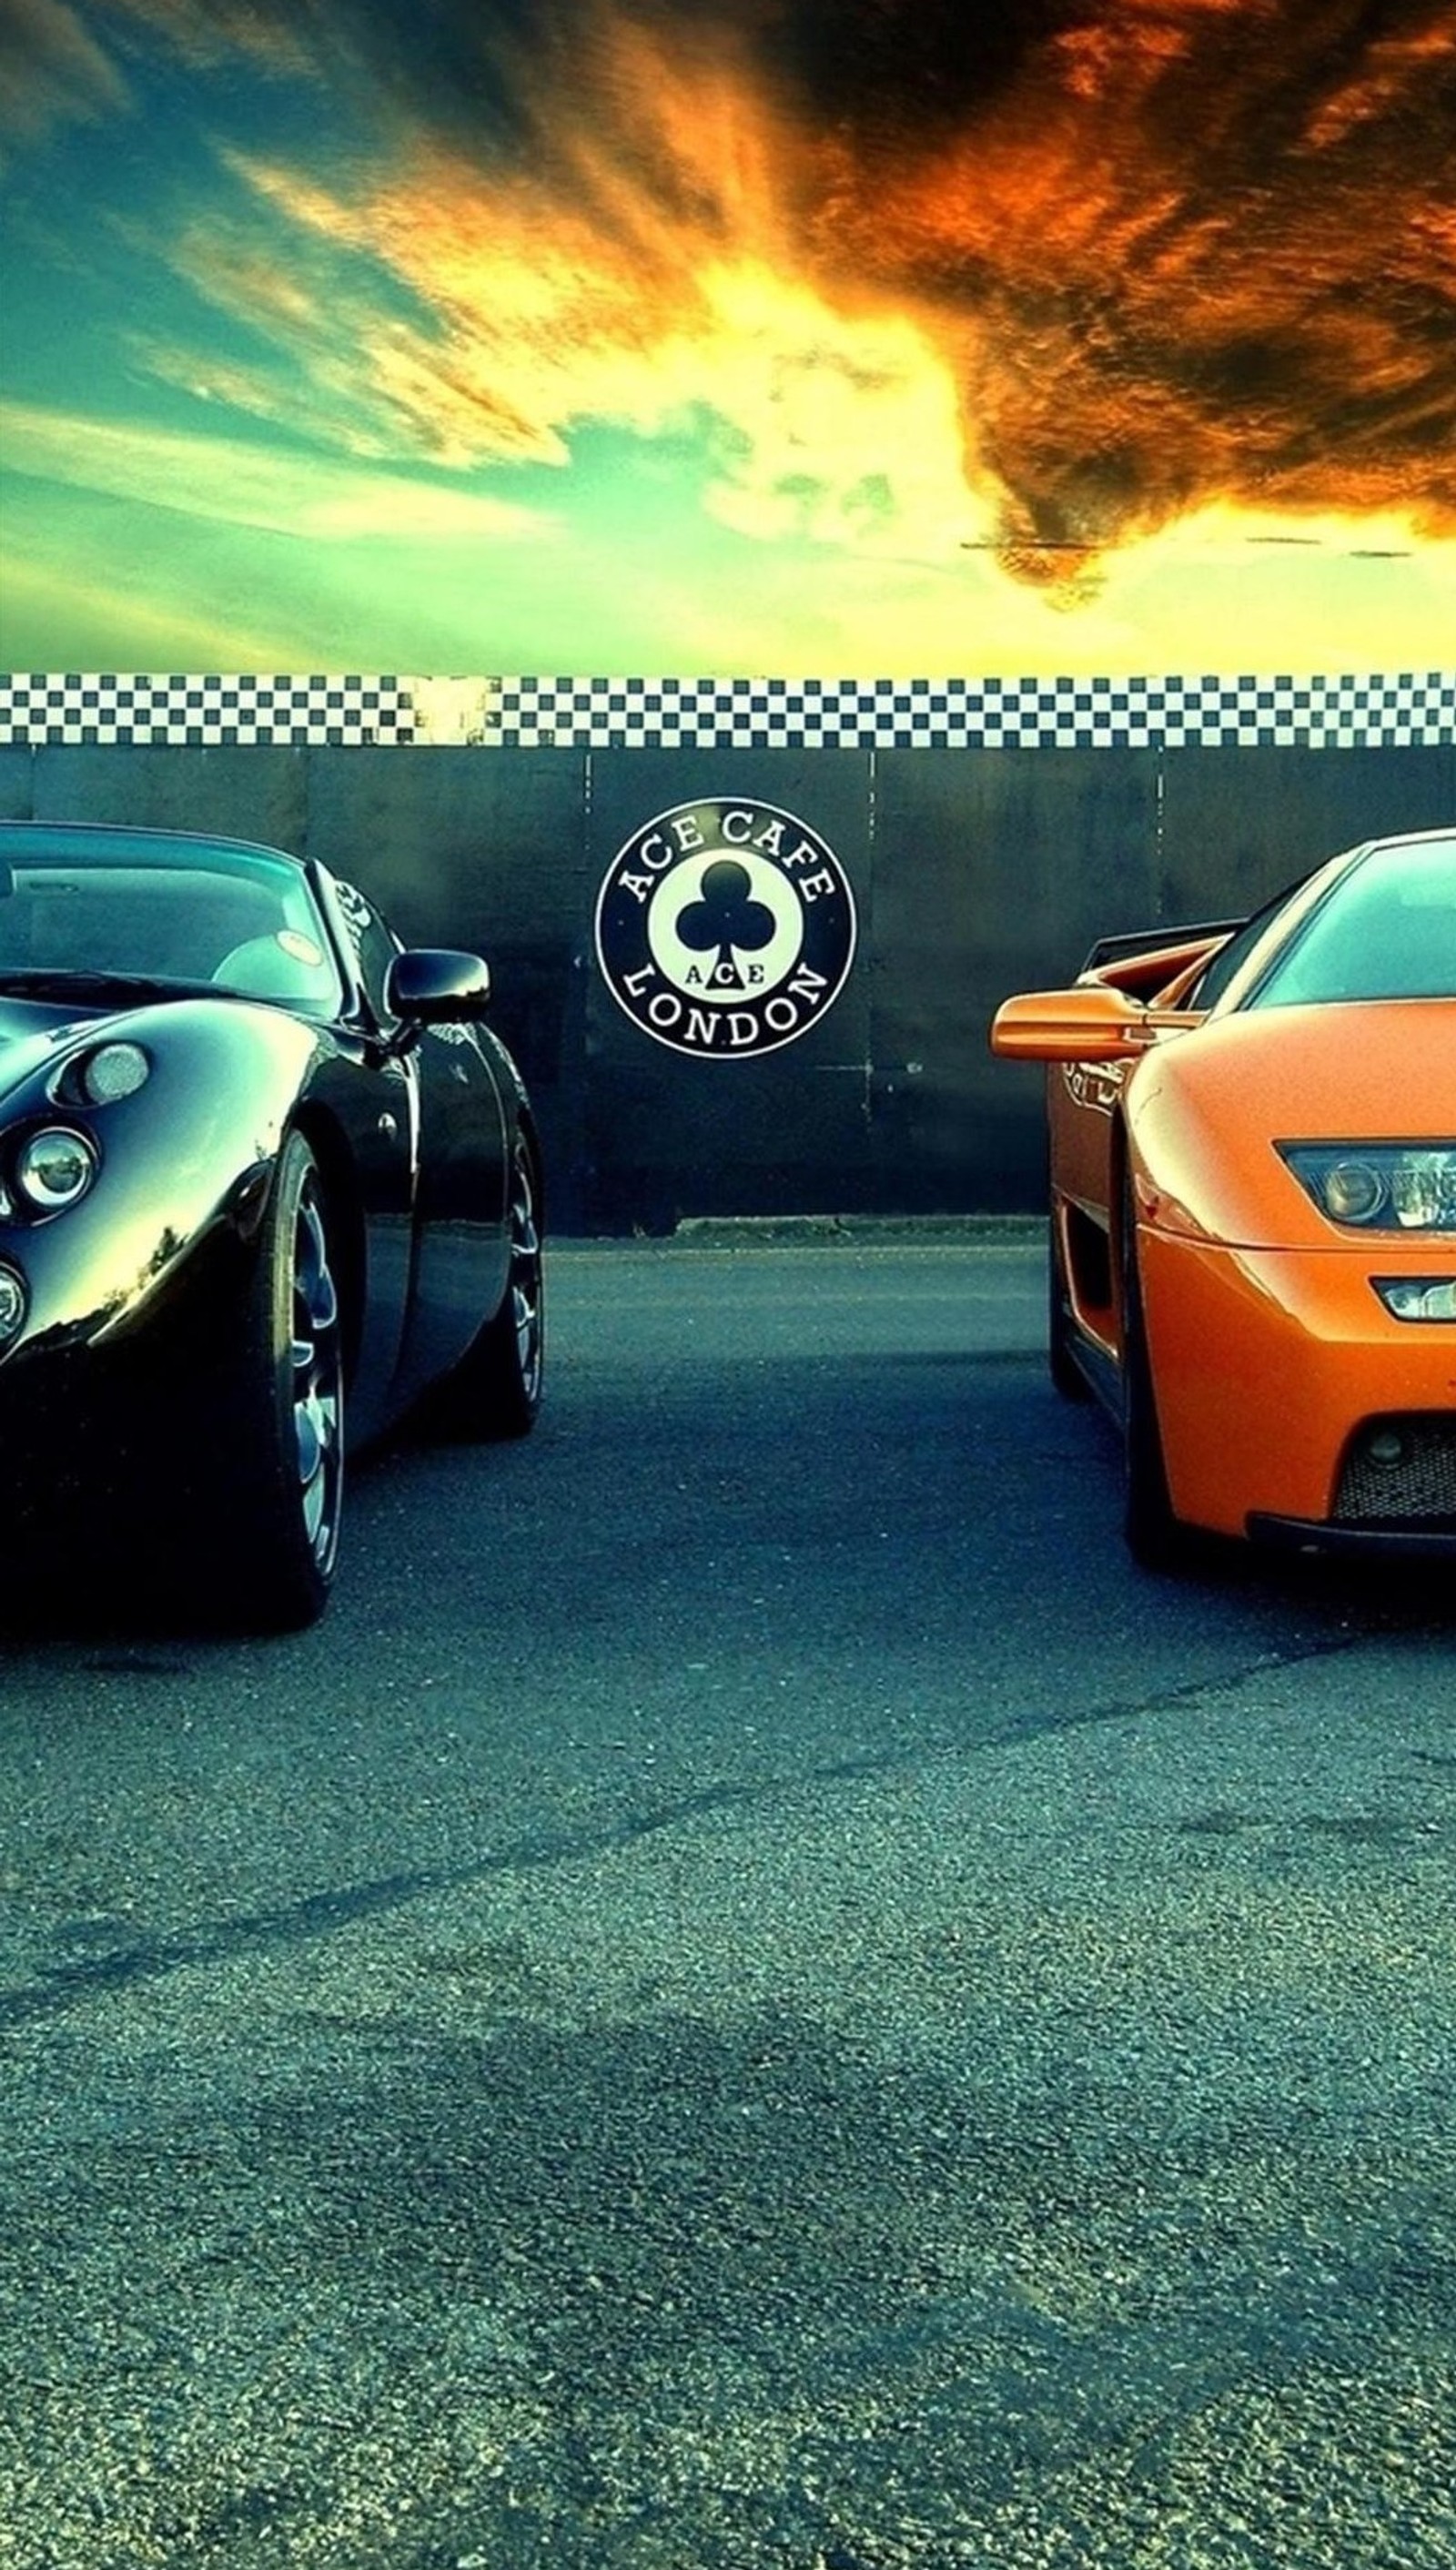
1222	968
187	910
1385	930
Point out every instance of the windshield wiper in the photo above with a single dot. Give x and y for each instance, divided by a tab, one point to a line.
44	982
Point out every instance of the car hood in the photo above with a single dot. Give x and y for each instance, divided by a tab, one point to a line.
1206	1111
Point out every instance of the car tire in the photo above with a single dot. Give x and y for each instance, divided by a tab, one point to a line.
1067	1375
269	1519
1154	1537
495	1390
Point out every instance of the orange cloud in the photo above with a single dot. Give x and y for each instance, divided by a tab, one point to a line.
1191	253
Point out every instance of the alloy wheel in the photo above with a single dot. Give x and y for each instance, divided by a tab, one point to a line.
317	1380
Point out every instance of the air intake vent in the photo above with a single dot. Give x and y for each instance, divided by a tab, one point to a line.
1398	1469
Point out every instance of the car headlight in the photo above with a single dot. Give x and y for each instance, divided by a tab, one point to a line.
55	1168
1417	1298
1378	1186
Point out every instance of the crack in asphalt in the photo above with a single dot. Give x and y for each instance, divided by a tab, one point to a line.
1189	1691
322	1913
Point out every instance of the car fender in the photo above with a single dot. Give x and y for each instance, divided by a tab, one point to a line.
185	1161
1206	1111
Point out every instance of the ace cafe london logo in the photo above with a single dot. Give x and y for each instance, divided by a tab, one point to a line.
726	927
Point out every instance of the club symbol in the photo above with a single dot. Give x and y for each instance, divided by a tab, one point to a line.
725	916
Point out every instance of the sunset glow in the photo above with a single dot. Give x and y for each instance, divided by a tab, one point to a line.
1119	337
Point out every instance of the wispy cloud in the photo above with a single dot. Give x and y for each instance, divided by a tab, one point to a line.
44	596
232	483
53	71
277	35
417	319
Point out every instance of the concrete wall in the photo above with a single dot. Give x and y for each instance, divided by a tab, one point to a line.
976	871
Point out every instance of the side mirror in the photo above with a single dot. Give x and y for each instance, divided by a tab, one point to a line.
430	986
1089	1024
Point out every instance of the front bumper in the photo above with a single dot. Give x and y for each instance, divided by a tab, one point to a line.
1269	1365
1327	1536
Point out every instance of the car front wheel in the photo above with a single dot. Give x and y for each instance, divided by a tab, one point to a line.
277	1466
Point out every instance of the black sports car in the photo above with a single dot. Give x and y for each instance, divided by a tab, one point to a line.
262	1171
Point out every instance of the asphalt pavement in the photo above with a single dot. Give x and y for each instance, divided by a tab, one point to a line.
754	1999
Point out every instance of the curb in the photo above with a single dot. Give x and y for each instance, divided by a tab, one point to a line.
825	1231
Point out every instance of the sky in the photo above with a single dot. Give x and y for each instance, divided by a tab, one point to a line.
847	337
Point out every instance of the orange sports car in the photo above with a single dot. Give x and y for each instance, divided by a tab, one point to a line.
1253	1207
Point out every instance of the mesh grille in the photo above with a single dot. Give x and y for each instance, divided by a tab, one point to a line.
1420	1484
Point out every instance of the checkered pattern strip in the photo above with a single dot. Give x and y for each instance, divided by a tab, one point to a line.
964	713
201	714
1412	709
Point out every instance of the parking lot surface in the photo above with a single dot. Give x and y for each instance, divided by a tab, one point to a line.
754	1999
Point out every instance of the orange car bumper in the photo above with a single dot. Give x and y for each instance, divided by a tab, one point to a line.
1269	1364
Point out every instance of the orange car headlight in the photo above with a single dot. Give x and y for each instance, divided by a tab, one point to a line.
1417	1298
1378	1186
